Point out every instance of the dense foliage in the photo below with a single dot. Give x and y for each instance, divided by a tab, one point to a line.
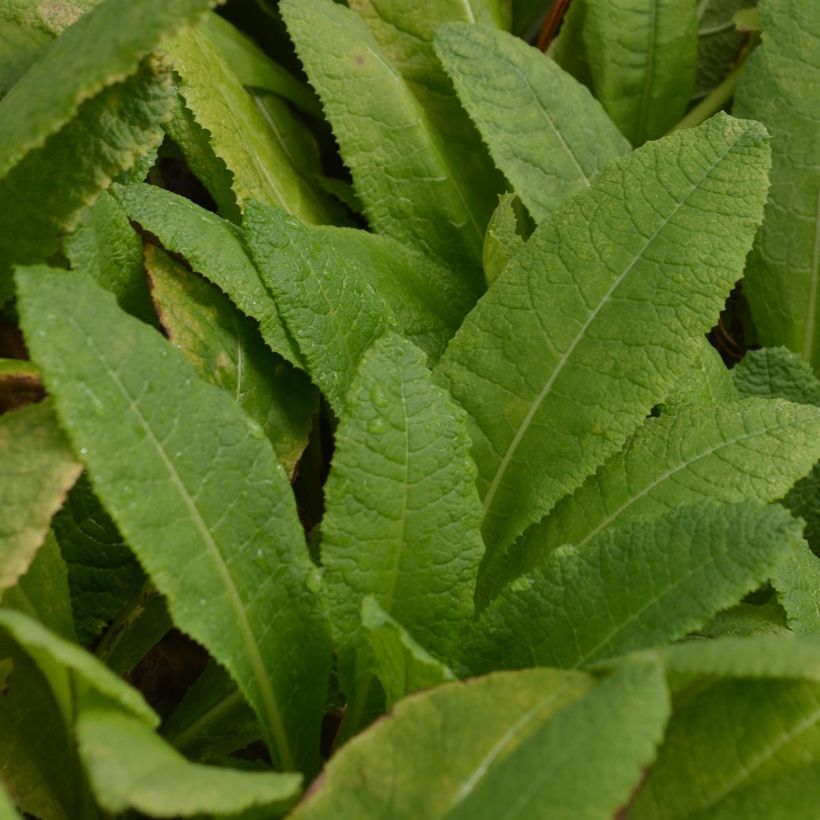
365	450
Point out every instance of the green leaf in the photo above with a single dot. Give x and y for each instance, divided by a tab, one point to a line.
776	372
745	620
545	131
403	667
502	241
647	582
718	42
778	86
36	472
643	61
706	381
20	47
208	494
131	767
402	515
105	245
7	810
754	449
238	134
213	248
70	670
227	351
739	749
534	744
600	314
797	582
400	168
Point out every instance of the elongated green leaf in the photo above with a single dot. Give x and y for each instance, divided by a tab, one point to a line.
643	61
238	133
647	582
36	472
753	449
208	495
402	515
779	86
536	744
716	762
131	767
402	665
104	47
400	168
545	131
105	245
797	581
20	47
600	314
502	240
212	247
227	351
333	318
105	137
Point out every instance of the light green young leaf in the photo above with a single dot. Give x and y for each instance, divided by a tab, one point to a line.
779	86
754	449
239	135
70	670
643	61
501	241
402	515
208	494
107	135
545	131
131	767
333	318
37	470
746	620
227	351
403	667
647	582
105	245
797	582
535	744
400	167
7	810
739	749
601	313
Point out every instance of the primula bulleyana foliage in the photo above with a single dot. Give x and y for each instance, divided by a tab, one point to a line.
362	451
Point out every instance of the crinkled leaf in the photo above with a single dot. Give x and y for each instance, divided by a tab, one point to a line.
797	582
227	351
706	381
601	313
776	372
647	582
37	470
208	494
779	86
131	767
545	131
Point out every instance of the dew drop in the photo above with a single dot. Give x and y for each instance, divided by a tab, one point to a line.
83	451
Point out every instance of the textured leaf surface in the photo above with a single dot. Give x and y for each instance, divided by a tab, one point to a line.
227	351
400	169
718	41
706	381
717	763
403	667
753	449
779	86
643	61
238	133
545	131
36	472
208	495
131	767
650	581
502	240
600	313
797	582
539	750
402	515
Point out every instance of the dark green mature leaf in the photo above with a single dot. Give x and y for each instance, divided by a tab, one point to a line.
719	41
544	129
778	86
131	767
20	47
643	61
647	582
37	470
753	449
401	171
797	582
601	313
227	351
534	744
217	503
